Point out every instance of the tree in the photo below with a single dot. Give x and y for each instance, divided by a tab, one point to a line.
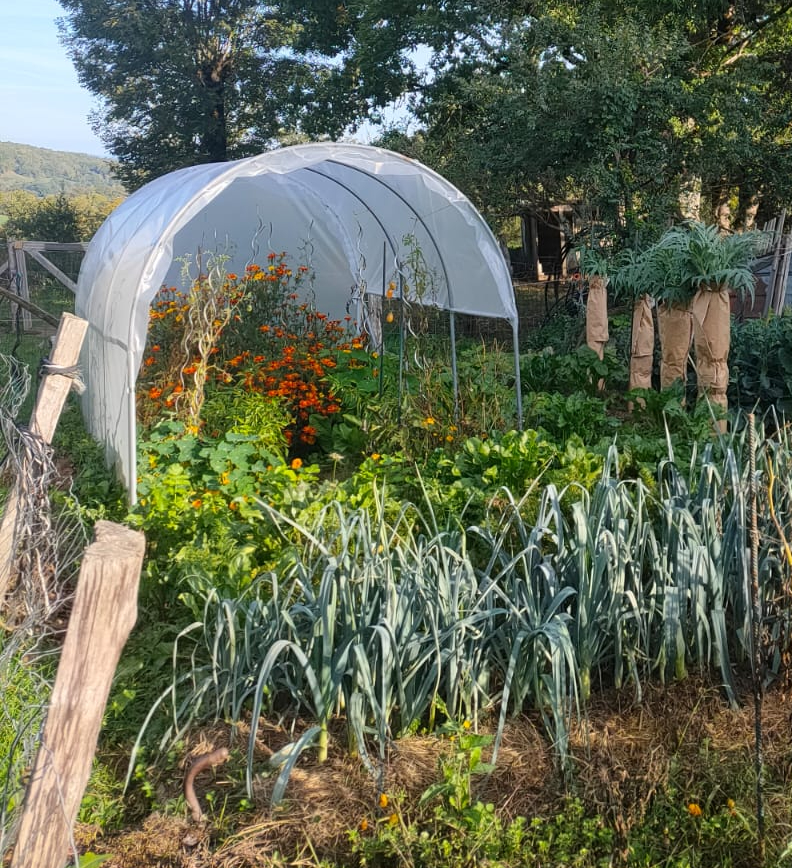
52	218
188	81
621	106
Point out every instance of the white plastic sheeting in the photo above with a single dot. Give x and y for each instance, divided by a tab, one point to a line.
351	212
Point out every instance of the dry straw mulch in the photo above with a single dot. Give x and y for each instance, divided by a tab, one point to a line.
623	753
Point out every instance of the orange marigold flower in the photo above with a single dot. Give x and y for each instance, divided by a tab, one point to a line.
149	361
363	825
694	809
232	276
156	348
197	503
154	393
383	800
296	463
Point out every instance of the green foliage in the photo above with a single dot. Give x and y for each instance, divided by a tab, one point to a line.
93	489
687	258
53	218
701	831
624	108
577	371
103	802
760	363
195	494
26	680
449	826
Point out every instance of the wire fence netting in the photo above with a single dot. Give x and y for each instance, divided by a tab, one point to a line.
41	540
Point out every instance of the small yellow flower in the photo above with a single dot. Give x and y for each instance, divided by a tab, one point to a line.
466	724
393	819
389	317
375	456
363	825
383	800
429	420
730	804
694	809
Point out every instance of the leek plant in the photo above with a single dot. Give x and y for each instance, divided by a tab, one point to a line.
381	618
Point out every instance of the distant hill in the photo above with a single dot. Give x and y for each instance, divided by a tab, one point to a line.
48	173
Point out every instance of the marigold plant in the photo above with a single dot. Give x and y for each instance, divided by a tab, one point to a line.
258	333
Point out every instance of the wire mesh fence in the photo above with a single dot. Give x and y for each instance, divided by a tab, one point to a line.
40	545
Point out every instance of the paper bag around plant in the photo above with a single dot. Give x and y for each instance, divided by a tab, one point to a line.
642	347
597	315
711	311
676	330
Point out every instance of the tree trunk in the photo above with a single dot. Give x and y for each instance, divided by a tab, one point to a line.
215	138
675	327
712	337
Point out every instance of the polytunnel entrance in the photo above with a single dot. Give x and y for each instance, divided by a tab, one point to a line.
351	212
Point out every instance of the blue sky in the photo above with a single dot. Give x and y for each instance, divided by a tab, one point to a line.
41	101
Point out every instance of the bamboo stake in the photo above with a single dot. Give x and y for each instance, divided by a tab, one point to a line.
756	624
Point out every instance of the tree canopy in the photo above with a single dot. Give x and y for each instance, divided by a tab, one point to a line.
628	107
622	107
189	81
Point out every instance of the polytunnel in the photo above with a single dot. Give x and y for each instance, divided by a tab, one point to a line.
353	211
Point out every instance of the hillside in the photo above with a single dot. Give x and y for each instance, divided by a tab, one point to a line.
45	172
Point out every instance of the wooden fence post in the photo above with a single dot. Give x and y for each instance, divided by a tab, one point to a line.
105	610
18	272
49	405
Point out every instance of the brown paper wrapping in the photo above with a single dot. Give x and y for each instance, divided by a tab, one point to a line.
642	348
712	337
597	315
676	329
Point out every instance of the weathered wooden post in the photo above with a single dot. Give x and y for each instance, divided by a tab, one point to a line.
105	610
49	405
18	274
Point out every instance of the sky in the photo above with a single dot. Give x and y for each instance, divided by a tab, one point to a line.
41	101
